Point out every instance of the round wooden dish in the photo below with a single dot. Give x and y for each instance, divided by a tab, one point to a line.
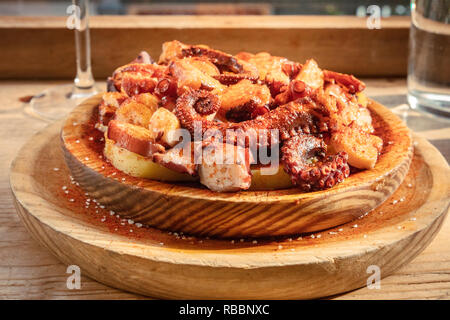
193	209
168	265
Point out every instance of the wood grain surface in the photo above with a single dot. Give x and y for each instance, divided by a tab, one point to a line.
164	265
29	271
193	209
343	44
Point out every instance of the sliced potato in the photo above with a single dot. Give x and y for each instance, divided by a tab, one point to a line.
362	148
311	74
149	100
362	99
134	112
138	166
164	124
279	180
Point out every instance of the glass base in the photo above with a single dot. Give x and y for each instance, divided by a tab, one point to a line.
435	104
56	102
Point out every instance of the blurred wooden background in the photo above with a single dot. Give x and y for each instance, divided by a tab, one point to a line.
43	48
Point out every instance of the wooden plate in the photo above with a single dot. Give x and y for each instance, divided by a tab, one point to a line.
196	210
168	265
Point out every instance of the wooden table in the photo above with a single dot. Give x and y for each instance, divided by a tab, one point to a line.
28	271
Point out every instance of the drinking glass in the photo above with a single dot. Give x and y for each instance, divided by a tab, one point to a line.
56	102
429	56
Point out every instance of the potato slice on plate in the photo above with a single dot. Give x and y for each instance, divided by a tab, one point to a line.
279	180
163	125
139	166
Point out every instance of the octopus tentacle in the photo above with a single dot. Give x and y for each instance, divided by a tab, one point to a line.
238	68
247	111
289	119
352	84
193	105
219	58
304	158
166	86
232	78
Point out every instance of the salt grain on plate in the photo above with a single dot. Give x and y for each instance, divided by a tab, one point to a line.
64	187
130	221
72	200
55	169
355	226
340	230
139	225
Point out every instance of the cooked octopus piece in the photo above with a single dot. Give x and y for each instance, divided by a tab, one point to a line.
305	160
225	168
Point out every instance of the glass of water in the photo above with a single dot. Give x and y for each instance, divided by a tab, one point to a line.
429	57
